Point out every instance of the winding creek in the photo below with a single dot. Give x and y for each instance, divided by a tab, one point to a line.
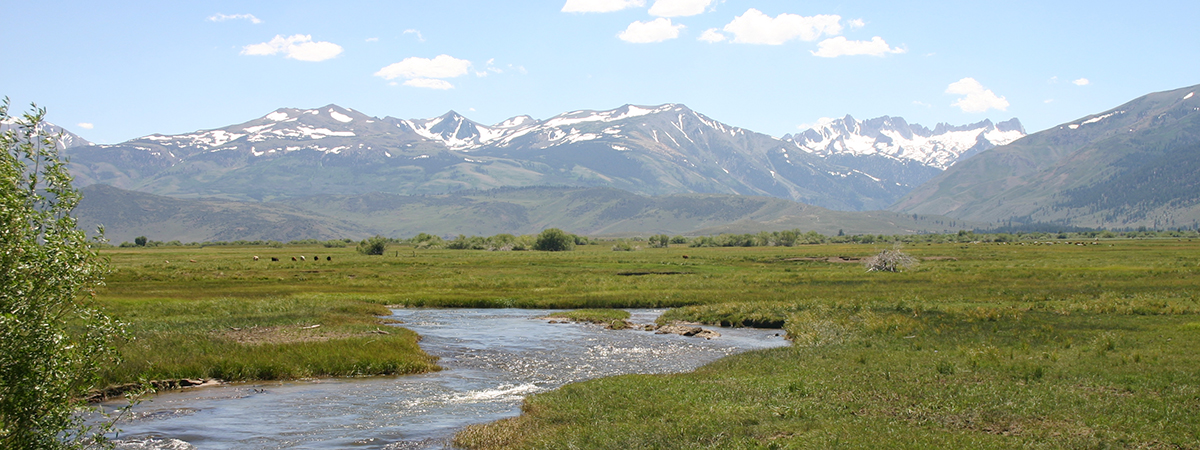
493	358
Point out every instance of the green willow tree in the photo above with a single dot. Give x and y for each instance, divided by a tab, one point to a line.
52	337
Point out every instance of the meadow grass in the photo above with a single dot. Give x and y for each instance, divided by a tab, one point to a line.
981	345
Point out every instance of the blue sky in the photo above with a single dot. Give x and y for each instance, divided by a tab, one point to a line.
112	71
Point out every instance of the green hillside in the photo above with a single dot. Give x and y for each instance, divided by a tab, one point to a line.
128	214
1134	165
587	211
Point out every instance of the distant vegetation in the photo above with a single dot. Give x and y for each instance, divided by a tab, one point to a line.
789	238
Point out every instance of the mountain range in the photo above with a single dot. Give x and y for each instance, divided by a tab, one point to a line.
1134	165
658	150
332	170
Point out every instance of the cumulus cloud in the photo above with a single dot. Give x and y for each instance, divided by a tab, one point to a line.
856	24
218	17
711	35
86	125
678	8
1081	82
426	73
300	46
441	66
754	27
600	6
840	46
429	83
975	98
416	32
656	30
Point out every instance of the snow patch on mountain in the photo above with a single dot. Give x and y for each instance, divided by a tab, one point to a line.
339	116
892	137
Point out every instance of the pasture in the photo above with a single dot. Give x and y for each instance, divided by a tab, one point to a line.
982	345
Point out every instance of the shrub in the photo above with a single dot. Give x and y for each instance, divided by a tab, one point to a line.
660	241
53	339
554	240
373	245
892	260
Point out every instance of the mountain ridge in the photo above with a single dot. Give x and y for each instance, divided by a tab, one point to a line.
650	150
1132	165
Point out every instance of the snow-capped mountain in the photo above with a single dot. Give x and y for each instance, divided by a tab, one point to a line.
892	137
64	139
650	150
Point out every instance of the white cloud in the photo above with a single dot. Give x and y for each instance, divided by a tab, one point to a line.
372	39
429	83
840	46
712	35
425	73
218	17
678	8
300	46
1052	80
754	27
921	103
1081	82
975	98
656	30
1048	101
856	24
85	125
416	32
587	6
441	66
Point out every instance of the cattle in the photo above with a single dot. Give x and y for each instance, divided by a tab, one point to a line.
256	257
316	258
293	258
329	258
191	260
302	257
274	259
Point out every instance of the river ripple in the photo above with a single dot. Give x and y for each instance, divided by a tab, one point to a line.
493	359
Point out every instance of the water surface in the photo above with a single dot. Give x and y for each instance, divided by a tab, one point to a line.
493	358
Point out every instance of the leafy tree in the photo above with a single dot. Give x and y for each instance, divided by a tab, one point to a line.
660	241
554	240
373	245
139	241
52	337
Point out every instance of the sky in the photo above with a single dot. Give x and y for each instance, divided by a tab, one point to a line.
113	71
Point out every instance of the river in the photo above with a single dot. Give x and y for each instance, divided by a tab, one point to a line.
493	358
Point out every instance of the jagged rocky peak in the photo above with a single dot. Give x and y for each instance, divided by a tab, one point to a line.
895	138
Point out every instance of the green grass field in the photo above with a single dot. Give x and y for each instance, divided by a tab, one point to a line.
981	345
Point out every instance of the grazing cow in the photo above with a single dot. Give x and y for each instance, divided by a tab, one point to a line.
329	258
191	260
274	259
293	258
256	257
685	256
302	257
316	258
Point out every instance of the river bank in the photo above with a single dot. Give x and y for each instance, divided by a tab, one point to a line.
493	359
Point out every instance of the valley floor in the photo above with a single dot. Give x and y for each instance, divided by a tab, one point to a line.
980	346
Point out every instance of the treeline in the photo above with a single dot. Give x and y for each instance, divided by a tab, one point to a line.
787	238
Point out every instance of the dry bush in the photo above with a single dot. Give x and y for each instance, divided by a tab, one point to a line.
892	260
